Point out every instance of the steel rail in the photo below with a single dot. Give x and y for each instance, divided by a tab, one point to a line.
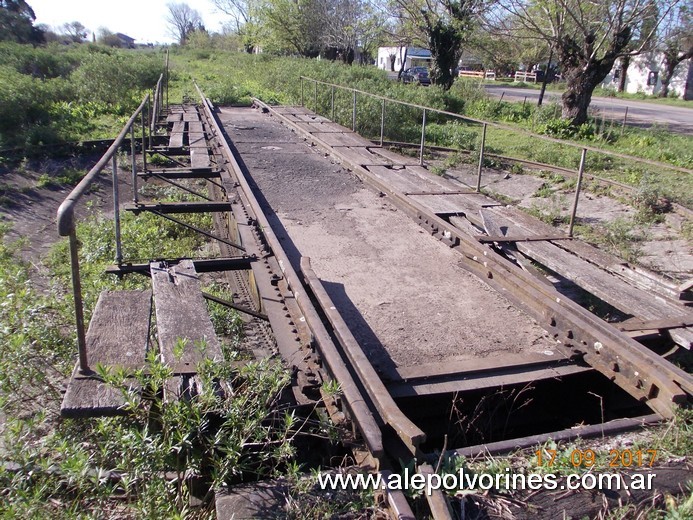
360	411
630	365
506	127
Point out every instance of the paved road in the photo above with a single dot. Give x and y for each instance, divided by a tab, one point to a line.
676	119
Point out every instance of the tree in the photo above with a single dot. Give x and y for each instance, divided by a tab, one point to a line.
246	15
345	26
75	31
17	22
676	45
183	20
443	26
108	38
293	26
587	37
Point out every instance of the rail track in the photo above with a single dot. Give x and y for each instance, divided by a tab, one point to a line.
397	416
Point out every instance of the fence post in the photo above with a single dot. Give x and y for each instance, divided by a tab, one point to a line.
134	163
382	123
79	310
423	137
301	90
481	159
353	115
332	102
116	210
581	171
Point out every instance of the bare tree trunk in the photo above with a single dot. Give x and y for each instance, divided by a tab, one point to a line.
580	85
623	68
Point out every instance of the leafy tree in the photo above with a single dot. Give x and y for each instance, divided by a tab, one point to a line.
183	20
74	31
443	26
293	26
246	16
108	38
676	45
17	22
586	36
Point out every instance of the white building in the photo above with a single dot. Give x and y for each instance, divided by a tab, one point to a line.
644	75
390	58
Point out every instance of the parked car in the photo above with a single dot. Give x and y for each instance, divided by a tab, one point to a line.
416	75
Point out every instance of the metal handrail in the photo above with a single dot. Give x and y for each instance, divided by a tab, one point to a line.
501	126
66	211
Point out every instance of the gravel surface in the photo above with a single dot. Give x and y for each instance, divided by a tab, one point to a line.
402	293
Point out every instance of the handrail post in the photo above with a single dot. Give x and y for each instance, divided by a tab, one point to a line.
382	123
423	138
144	147
134	163
301	90
316	97
79	309
581	171
481	159
116	210
149	122
332	102
353	115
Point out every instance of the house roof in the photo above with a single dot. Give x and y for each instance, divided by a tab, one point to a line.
417	52
125	37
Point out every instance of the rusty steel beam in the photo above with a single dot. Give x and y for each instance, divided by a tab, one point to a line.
640	372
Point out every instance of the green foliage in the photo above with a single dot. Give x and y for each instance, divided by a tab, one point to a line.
58	93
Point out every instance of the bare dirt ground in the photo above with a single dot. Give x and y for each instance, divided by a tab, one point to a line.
401	292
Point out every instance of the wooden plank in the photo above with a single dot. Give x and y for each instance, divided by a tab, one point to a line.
186	334
343	139
638	276
195	127
311	117
361	156
197	140
523	238
477	366
174	118
118	336
397	179
640	325
191	117
452	384
199	158
312	127
175	140
590	277
395	158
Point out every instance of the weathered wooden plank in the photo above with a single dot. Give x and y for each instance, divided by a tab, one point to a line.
397	179
344	139
118	336
190	117
311	117
360	155
197	140
313	126
199	158
590	277
174	118
175	140
469	205
195	127
396	158
634	275
186	334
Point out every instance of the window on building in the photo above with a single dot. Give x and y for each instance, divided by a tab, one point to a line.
652	78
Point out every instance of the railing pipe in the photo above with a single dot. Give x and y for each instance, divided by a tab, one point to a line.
134	163
514	129
382	123
353	114
333	103
116	210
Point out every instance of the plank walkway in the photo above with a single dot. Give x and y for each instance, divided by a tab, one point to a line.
635	291
118	336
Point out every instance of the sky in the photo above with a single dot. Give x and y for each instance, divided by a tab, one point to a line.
144	20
